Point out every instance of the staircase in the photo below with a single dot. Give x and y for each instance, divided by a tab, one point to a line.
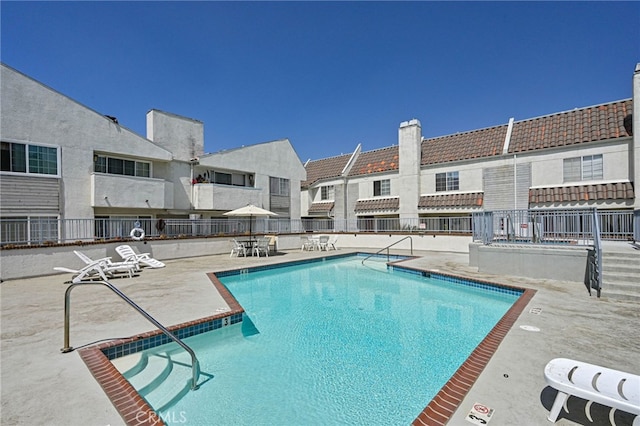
621	272
161	378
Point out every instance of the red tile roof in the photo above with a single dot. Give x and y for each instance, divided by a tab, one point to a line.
377	205
321	207
379	160
566	194
464	146
326	168
600	122
474	199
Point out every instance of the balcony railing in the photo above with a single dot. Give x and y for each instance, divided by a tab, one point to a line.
520	226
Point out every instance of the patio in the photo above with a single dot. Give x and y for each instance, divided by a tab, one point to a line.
40	385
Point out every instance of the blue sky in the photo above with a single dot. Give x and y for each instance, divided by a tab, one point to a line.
326	75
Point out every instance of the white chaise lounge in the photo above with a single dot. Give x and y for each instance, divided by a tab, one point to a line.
110	268
127	254
605	386
90	272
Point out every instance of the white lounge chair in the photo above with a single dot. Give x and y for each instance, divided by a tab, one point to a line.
110	268
128	254
237	249
605	386
90	272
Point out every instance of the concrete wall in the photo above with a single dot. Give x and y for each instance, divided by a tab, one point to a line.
31	262
568	263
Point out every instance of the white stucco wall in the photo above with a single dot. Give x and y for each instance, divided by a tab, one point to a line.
547	168
365	184
34	113
183	136
265	160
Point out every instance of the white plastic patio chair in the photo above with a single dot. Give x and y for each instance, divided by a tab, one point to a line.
331	244
307	244
128	254
261	246
323	240
237	249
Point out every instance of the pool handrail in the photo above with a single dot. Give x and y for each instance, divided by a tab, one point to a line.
389	246
195	364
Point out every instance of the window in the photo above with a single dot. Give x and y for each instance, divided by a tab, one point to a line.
279	186
381	188
327	192
588	167
119	166
448	181
222	178
25	158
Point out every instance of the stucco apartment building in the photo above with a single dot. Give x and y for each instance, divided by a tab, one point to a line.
586	157
62	160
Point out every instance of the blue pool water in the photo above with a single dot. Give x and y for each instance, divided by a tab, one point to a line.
333	342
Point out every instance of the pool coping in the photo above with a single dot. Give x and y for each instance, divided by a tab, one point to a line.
135	411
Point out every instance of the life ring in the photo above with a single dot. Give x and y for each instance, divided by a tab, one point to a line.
137	234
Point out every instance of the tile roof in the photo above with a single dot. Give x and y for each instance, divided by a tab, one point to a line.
377	204
474	199
464	146
325	169
597	192
321	207
600	122
379	160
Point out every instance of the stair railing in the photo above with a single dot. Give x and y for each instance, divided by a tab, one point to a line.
389	246
195	365
596	272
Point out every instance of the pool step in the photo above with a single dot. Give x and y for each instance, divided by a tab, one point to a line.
161	378
175	385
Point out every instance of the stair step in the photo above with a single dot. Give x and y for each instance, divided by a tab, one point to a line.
174	386
633	269
619	295
158	368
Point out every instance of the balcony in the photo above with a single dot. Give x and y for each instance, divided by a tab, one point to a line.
210	196
130	192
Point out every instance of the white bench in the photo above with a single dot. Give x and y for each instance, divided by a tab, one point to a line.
605	386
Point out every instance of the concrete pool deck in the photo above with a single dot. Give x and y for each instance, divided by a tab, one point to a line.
40	385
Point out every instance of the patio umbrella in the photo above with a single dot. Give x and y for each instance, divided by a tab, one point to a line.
250	211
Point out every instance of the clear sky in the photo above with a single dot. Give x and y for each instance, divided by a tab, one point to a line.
326	75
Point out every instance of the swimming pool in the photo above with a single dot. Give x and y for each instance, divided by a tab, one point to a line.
313	350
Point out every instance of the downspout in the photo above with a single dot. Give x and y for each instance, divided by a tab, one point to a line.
345	177
515	183
505	151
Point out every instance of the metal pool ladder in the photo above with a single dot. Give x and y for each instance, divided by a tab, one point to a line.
195	365
389	246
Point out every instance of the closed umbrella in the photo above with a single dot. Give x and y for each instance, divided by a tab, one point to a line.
250	211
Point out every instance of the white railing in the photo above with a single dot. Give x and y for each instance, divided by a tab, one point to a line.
537	226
